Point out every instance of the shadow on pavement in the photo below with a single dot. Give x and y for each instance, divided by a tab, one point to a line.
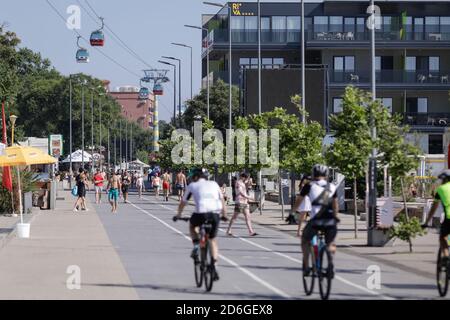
187	291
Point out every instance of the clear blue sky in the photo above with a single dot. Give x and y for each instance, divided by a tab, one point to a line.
146	26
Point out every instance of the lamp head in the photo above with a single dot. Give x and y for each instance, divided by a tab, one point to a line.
13	119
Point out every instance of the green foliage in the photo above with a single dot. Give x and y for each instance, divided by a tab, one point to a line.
300	145
219	106
351	149
143	156
407	230
28	183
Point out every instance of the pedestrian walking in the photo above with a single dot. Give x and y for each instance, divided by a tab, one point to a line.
113	188
156	182
140	185
180	184
126	182
82	184
242	205
167	182
98	181
305	207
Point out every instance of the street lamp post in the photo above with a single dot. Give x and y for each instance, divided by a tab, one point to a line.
303	61
174	90
372	232
100	131
82	122
70	131
92	132
230	66
179	86
207	68
12	119
186	46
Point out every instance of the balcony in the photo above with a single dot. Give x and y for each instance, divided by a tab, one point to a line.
427	119
420	78
339	34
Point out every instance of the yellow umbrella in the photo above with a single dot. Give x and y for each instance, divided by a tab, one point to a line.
16	156
24	156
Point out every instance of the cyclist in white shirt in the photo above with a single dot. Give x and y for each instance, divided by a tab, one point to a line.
209	205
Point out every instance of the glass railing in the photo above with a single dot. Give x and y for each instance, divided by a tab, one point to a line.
331	33
391	77
427	119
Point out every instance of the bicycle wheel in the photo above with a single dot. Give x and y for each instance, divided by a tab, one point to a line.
198	271
325	273
208	273
441	275
308	280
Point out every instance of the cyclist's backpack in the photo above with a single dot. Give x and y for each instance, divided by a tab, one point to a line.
325	216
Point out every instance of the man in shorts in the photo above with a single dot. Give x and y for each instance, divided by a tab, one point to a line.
180	184
209	205
113	191
242	205
98	181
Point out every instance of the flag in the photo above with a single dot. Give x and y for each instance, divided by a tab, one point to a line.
6	179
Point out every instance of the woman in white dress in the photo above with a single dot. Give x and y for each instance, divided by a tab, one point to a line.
305	207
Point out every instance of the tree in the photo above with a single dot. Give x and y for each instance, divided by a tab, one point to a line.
219	106
351	149
407	230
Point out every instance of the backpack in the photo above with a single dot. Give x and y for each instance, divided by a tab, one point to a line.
75	191
325	200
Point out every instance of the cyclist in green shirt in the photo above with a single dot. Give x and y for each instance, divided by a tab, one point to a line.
442	196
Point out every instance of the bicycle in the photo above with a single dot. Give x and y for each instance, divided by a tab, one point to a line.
321	261
204	269
442	270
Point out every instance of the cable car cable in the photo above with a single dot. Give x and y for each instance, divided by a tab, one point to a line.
104	54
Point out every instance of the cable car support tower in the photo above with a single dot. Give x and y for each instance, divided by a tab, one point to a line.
156	77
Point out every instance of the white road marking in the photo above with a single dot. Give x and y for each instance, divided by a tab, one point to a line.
339	278
229	261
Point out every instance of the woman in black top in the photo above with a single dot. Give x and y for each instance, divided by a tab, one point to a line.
81	191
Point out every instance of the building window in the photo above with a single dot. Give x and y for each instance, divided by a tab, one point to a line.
320	24
336	24
416	105
431	24
433	64
344	63
387	103
349	24
293	29
435	144
337	105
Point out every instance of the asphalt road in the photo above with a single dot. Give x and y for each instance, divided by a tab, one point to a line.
155	252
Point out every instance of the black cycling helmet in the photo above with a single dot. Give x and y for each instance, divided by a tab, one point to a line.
445	175
320	170
200	173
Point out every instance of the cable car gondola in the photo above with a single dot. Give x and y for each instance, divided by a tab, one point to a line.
82	55
97	37
144	93
158	89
